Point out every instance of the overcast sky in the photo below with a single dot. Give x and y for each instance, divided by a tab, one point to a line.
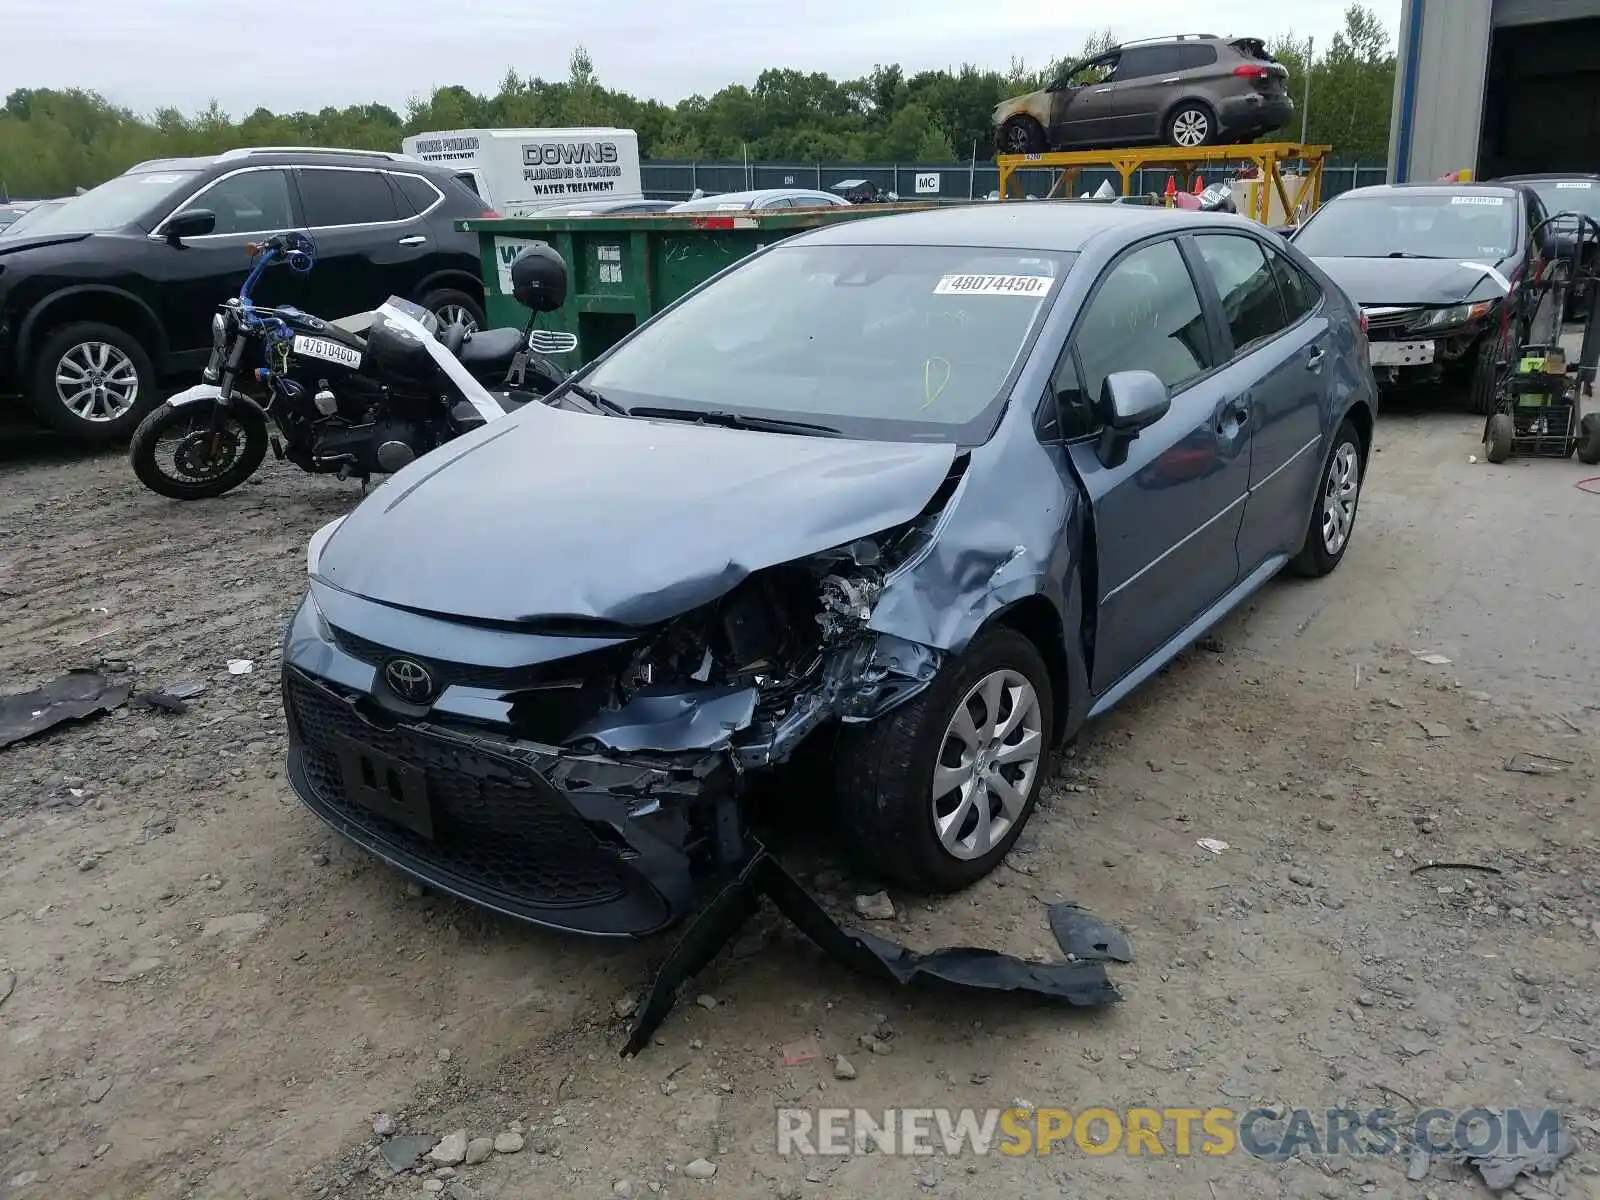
305	54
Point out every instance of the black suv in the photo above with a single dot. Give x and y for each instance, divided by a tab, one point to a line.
113	293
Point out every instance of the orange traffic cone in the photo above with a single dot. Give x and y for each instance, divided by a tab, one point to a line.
1172	190
1199	184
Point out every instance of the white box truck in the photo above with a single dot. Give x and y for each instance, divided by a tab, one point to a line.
519	171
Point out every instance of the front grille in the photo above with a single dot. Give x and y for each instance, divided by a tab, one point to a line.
1390	322
499	679
497	824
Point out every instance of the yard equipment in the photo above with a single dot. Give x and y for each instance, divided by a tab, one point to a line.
1539	396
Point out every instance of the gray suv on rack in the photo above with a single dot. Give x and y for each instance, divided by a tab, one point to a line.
1190	90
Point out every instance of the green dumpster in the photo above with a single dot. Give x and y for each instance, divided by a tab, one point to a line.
624	269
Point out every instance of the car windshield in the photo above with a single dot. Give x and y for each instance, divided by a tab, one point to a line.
1569	195
901	343
26	222
1412	225
114	204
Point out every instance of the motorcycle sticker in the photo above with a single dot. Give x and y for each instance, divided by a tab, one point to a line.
334	352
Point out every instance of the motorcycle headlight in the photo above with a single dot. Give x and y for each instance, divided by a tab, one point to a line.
1459	314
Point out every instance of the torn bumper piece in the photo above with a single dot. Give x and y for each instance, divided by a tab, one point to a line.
74	696
1081	984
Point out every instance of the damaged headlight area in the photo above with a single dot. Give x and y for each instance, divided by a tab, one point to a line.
763	667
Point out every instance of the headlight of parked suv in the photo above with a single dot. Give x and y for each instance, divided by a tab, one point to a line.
1459	314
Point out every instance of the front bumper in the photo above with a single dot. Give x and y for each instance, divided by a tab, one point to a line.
594	843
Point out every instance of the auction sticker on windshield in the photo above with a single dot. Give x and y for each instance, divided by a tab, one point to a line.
992	285
334	352
1477	199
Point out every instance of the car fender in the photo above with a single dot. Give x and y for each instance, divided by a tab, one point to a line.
27	331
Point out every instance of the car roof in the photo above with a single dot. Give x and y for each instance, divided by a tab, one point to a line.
1061	225
291	156
1540	176
1462	189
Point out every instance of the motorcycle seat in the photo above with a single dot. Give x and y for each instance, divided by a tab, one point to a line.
490	350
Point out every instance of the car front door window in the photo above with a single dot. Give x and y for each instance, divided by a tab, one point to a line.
249	202
1146	316
1249	294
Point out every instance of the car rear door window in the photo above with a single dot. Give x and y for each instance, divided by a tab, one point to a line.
1245	286
1141	62
249	202
1299	291
1145	316
416	191
339	197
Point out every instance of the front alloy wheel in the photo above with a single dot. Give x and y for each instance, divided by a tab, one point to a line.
1340	492
97	382
992	749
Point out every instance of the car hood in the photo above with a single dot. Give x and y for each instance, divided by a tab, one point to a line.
558	516
1397	281
11	243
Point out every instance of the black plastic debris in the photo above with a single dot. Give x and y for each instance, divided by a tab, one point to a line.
1084	936
1081	984
76	695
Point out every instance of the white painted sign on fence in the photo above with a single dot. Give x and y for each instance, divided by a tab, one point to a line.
928	183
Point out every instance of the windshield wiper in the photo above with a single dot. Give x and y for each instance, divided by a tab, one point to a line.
598	400
733	420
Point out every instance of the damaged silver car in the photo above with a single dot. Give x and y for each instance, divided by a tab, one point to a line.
938	485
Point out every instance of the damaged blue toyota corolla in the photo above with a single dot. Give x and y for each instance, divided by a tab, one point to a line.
950	481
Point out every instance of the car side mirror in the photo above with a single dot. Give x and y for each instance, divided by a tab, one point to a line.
1130	401
191	222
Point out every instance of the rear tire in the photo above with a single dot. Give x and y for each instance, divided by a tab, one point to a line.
1022	135
1589	439
885	771
1191	124
1499	441
93	382
1333	517
244	444
447	304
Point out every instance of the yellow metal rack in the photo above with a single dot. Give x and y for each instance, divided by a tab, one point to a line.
1185	163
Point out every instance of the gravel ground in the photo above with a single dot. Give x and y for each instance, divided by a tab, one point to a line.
204	994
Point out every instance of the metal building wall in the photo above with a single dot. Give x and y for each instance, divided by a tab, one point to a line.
1438	103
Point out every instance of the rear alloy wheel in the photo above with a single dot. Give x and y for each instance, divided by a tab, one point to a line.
935	794
451	307
1333	518
92	381
1191	125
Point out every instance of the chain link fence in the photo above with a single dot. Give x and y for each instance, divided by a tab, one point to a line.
680	180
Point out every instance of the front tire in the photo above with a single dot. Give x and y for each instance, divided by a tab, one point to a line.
1482	383
203	463
1333	519
1022	135
1191	124
934	795
451	306
92	381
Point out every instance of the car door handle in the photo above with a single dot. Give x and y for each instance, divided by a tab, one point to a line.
1101	91
1174	79
1314	362
416	239
1239	414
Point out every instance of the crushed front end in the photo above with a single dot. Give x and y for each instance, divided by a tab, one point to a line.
579	774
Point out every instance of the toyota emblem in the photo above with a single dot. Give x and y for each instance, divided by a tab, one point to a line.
409	680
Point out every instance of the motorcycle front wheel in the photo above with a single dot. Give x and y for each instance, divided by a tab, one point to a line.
188	453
